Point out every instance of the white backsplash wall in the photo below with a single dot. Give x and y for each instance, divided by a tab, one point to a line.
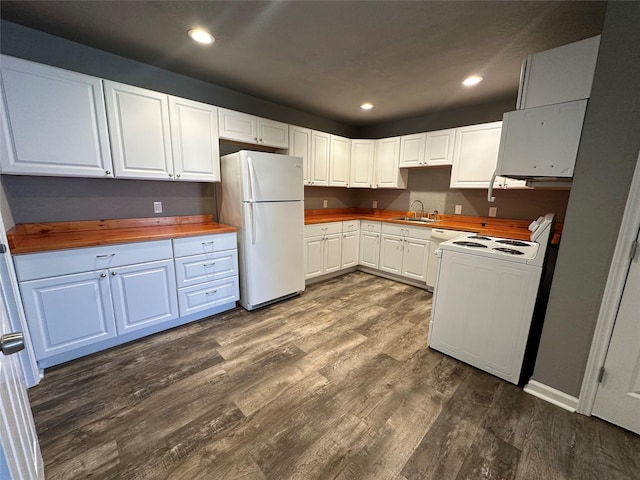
431	186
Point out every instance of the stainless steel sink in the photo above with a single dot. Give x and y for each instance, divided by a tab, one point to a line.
415	219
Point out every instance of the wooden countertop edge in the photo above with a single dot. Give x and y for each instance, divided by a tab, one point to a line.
59	239
497	227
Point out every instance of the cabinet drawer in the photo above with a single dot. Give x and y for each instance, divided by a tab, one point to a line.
366	226
403	231
351	226
185	247
31	266
206	267
208	295
322	229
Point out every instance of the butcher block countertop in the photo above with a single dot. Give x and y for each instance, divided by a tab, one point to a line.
493	227
40	237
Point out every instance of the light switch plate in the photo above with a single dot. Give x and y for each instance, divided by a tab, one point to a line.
458	209
493	211
157	207
375	204
325	203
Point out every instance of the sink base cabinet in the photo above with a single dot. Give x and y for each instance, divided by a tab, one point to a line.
71	313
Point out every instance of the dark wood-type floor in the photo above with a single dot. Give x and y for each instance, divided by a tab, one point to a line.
336	383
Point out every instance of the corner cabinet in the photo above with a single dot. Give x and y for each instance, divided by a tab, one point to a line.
53	122
245	128
362	163
156	136
387	165
339	161
475	155
322	249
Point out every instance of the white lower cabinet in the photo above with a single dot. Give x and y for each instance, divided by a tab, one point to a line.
370	243
405	251
350	243
207	272
79	301
322	248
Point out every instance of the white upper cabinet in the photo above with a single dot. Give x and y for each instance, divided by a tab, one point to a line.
157	136
439	147
339	155
387	169
245	128
140	132
475	155
300	146
412	150
319	161
559	75
194	138
362	163
53	122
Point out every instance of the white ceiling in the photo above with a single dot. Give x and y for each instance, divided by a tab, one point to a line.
327	57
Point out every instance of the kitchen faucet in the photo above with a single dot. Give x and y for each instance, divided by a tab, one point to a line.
415	213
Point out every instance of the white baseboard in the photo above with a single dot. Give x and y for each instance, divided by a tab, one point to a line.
551	395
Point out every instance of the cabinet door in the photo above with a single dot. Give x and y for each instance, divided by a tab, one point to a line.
369	249
53	121
237	126
332	253
68	312
144	295
475	155
412	148
391	253
313	256
362	162
415	259
339	154
387	170
140	132
300	146
350	243
194	135
439	147
319	159
272	133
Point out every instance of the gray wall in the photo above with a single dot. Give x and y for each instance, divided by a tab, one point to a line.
56	199
606	160
431	187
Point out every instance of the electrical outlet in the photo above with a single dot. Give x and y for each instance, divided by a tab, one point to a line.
375	204
157	207
493	211
458	209
325	203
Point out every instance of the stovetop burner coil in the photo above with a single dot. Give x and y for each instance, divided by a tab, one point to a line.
513	243
464	243
510	251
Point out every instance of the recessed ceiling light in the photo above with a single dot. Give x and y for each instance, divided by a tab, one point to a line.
201	36
366	106
471	81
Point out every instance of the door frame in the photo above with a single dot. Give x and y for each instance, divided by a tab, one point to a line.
612	296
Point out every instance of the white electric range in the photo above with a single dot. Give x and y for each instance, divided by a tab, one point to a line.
485	293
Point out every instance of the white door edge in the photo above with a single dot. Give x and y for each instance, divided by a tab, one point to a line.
611	297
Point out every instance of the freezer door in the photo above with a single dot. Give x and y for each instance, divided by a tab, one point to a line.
269	177
273	263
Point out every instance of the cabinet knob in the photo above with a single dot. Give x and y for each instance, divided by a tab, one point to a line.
114	274
107	172
103	275
178	175
171	175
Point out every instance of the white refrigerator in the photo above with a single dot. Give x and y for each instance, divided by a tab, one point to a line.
262	194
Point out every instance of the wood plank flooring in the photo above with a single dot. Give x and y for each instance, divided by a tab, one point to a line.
334	384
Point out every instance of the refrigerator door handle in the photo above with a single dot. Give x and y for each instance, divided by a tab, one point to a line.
253	224
250	172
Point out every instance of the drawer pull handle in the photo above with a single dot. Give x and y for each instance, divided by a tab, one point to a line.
108	255
211	293
208	243
209	264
